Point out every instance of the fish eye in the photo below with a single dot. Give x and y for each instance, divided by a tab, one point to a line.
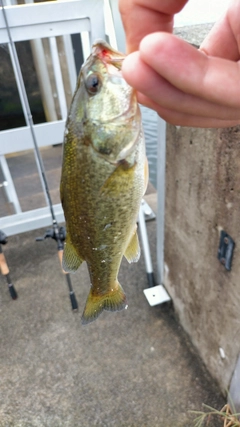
93	83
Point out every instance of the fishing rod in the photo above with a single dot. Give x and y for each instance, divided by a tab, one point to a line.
4	267
57	233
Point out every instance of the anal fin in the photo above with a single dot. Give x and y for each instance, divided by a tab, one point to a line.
133	251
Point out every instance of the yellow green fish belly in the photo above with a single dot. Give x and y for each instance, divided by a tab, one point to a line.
101	211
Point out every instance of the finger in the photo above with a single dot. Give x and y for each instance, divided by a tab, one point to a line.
150	21
168	7
141	17
221	41
145	80
191	71
181	119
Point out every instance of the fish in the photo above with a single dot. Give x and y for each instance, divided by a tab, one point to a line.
104	177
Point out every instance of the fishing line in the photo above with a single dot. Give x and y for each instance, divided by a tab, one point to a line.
58	233
27	111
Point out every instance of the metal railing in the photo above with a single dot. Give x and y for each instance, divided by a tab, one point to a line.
35	21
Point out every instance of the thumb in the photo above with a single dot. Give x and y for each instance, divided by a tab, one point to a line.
192	71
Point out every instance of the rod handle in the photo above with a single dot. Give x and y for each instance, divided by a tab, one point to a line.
72	297
3	264
60	256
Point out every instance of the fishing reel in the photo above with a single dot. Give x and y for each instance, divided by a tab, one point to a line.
3	238
56	233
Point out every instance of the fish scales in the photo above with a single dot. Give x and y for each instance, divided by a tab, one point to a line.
103	180
110	217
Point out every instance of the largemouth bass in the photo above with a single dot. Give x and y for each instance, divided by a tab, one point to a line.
104	177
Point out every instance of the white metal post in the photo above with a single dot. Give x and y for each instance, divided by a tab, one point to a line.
161	160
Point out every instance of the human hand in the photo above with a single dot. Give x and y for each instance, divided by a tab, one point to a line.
186	86
142	17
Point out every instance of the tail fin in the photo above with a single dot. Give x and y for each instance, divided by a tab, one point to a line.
114	300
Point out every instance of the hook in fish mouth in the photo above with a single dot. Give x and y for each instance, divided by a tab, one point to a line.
116	62
108	60
120	59
107	54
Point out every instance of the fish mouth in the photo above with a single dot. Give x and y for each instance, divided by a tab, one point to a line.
112	61
109	56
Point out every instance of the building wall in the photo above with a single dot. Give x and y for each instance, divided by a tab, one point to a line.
203	197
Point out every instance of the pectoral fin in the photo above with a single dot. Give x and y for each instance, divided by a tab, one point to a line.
133	251
71	260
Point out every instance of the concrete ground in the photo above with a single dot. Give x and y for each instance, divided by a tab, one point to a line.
134	368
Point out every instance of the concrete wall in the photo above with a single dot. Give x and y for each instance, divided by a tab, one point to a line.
203	197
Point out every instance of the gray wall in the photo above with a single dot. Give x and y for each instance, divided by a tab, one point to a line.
203	197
